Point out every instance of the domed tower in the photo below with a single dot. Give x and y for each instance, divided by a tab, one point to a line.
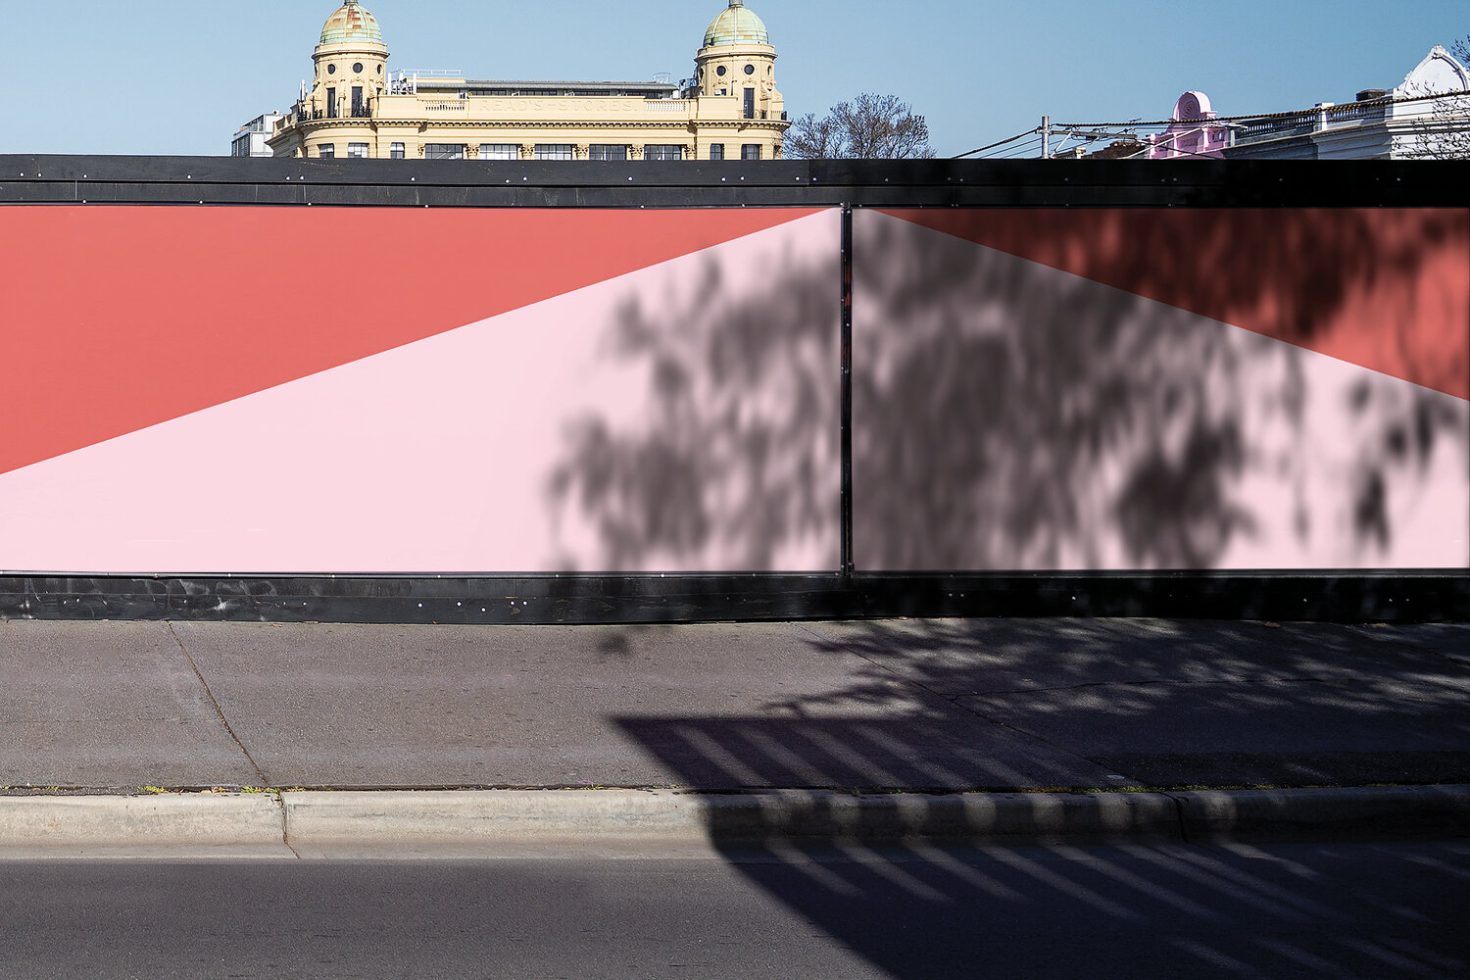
351	62
737	59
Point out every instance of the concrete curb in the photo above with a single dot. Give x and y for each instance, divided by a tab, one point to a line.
497	815
1332	814
86	821
795	815
310	820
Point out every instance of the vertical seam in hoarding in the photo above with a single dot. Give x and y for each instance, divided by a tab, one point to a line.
846	435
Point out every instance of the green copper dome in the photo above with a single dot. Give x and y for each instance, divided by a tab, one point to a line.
351	23
738	24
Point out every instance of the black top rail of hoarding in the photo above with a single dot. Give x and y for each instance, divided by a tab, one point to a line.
35	179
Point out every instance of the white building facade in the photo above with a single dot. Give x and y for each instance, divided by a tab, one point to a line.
252	140
1424	116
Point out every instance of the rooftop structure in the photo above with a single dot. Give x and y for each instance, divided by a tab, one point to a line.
1407	121
355	107
737	24
251	139
1193	132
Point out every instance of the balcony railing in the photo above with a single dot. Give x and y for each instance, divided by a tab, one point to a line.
1355	112
1313	120
1255	132
302	112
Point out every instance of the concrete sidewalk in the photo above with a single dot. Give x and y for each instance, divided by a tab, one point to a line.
928	706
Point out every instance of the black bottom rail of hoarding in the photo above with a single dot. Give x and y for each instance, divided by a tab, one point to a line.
627	599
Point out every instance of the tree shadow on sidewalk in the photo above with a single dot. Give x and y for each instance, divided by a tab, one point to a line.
1049	705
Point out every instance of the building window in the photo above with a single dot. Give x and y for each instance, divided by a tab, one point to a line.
500	151
607	151
717	151
750	69
444	151
359	108
331	69
357	69
554	151
750	151
750	103
398	151
357	151
327	151
241	146
660	152
721	71
331	103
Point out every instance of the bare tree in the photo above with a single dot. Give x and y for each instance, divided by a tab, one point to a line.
811	138
870	127
1445	135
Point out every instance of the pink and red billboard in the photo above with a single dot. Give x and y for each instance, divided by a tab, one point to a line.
219	390
304	391
1131	390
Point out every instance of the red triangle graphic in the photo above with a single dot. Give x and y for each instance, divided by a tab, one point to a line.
117	318
1386	289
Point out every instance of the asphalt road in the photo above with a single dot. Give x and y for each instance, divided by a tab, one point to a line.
1283	911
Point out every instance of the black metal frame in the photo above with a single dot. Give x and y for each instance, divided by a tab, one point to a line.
1321	595
846	563
1329	596
614	184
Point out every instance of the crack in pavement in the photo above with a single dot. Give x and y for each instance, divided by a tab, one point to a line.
286	825
218	711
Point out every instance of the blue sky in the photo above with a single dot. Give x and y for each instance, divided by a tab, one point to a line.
169	76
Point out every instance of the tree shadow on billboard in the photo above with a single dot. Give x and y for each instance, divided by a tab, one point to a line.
1009	417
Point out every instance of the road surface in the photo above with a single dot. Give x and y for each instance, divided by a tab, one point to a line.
1370	910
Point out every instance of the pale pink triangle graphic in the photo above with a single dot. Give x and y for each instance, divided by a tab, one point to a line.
434	457
1315	432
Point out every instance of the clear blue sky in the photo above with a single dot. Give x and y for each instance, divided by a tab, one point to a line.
170	76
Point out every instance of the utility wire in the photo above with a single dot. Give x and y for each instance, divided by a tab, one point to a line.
1170	149
1137	124
1024	150
1006	152
992	146
1030	146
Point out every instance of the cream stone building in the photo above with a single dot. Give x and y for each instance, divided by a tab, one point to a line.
356	107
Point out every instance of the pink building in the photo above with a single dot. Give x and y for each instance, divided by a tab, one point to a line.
1192	134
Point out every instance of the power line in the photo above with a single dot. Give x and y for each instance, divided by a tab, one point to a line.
992	146
1132	126
1171	149
1025	149
1030	146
